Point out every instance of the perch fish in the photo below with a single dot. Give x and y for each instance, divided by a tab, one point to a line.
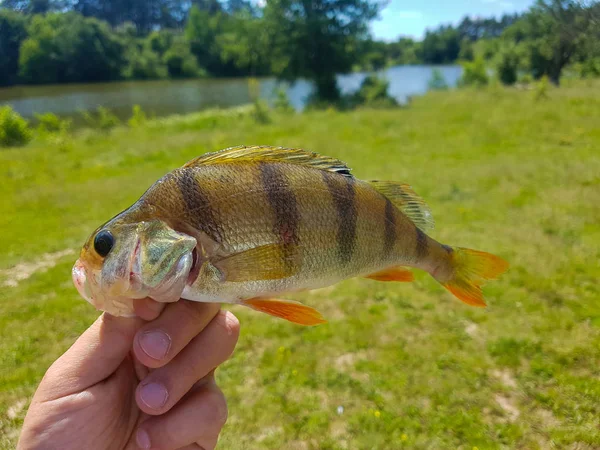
248	224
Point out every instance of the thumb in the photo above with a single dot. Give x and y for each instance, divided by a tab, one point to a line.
96	354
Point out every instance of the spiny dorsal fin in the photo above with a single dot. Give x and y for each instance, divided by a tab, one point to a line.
271	154
407	201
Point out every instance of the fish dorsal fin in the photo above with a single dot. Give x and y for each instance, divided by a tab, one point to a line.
407	201
271	154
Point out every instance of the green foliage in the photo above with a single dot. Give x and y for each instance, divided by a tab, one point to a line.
541	88
179	60
12	33
69	48
474	73
373	93
260	112
138	117
507	64
102	119
441	46
590	68
437	82
49	123
309	43
14	130
282	101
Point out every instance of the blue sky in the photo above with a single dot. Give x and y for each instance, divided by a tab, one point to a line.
412	18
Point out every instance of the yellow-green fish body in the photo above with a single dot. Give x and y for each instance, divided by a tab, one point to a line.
251	224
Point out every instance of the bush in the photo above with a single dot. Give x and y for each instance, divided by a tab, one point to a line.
138	118
437	82
282	102
507	65
180	62
474	73
590	68
51	123
103	119
14	130
542	87
373	92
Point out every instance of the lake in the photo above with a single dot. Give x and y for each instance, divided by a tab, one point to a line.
166	97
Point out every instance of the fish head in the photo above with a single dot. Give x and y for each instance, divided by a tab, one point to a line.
121	262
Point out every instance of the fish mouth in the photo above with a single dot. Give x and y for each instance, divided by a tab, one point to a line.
80	281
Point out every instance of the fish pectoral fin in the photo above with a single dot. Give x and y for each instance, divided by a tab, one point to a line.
267	262
286	309
397	273
407	201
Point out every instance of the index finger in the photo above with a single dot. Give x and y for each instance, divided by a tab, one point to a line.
158	342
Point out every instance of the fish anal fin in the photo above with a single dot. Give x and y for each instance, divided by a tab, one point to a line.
407	201
286	309
266	262
271	154
396	273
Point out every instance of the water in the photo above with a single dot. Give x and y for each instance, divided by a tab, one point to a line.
181	96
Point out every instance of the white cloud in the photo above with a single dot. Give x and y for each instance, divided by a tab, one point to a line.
409	14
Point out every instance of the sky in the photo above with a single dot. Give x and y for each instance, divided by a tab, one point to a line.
412	18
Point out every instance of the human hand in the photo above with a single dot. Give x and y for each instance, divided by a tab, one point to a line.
128	384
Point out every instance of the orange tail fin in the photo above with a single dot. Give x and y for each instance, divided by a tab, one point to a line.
472	269
286	309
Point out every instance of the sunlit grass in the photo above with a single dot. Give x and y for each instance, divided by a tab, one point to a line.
398	365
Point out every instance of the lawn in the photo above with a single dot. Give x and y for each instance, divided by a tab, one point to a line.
398	365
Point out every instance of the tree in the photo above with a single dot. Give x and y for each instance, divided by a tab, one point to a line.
12	33
441	46
69	48
312	38
552	31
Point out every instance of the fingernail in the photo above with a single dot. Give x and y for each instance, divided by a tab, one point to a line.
155	343
142	439
154	395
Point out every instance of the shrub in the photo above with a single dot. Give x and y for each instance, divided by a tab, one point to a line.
282	102
51	123
103	119
260	112
507	65
373	92
437	82
138	118
474	73
14	130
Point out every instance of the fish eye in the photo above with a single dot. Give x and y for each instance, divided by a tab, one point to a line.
103	242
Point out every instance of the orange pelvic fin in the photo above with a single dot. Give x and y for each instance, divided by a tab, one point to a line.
286	309
472	269
397	273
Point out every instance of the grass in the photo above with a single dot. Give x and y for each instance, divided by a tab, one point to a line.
398	365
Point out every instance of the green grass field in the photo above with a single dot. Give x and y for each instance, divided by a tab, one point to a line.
398	365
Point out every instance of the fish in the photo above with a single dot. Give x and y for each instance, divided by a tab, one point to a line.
247	225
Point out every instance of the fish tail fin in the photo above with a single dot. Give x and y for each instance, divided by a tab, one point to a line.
470	269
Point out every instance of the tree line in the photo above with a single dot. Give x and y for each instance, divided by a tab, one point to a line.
68	41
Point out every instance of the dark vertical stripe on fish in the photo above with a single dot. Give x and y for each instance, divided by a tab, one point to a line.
422	249
343	194
390	228
284	206
198	208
